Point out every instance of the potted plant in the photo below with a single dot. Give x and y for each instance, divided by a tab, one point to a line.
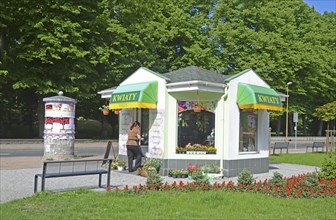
104	109
152	163
197	108
120	164
117	111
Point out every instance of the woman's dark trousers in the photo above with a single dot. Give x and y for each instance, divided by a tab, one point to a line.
133	152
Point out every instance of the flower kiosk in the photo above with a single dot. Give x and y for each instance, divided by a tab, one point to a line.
197	116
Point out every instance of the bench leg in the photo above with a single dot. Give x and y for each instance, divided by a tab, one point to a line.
273	151
43	184
99	183
35	183
287	150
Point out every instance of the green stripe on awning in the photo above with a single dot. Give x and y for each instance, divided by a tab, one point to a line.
139	95
257	97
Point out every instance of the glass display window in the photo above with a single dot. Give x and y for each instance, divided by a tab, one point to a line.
248	131
196	127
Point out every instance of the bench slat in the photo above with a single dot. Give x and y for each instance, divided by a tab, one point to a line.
81	173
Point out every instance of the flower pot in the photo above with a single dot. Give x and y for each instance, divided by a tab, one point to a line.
116	111
197	109
105	111
120	168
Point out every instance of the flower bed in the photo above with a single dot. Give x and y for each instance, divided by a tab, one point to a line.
293	187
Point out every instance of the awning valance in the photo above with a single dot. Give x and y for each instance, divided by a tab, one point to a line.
139	95
257	97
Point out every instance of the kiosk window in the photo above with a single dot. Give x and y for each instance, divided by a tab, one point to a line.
196	128
248	131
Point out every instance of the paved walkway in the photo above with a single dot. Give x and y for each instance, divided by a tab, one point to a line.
19	183
17	177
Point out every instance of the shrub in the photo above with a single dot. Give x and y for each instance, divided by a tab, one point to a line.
245	178
277	179
197	175
328	169
154	181
311	179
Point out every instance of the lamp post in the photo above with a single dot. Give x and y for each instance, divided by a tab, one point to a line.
289	83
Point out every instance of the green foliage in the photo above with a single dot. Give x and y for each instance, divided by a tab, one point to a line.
199	178
81	47
210	168
277	179
326	112
245	178
152	163
88	128
153	180
311	179
328	169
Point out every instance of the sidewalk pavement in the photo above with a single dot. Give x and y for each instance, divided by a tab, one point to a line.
17	176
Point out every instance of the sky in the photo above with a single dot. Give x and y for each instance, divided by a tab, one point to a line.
322	5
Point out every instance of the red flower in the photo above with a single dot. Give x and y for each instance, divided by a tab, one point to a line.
318	191
326	191
126	187
311	191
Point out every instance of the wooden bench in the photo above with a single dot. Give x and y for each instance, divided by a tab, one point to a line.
280	145
66	168
316	145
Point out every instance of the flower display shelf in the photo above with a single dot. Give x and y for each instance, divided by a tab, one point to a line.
196	152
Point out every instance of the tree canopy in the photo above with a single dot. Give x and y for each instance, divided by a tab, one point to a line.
81	47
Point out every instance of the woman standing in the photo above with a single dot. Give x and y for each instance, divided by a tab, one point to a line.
133	148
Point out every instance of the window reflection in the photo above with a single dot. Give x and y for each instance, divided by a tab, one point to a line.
248	131
196	128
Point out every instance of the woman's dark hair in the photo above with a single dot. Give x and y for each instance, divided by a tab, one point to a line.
136	123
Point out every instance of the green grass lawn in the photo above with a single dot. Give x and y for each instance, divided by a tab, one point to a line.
85	204
311	159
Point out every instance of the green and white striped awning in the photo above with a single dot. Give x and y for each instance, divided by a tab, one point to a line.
139	95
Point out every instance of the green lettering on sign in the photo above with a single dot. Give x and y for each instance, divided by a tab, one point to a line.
125	97
268	99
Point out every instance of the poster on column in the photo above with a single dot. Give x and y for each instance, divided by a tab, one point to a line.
156	133
126	120
59	120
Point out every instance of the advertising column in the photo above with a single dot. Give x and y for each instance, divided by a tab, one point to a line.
59	127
